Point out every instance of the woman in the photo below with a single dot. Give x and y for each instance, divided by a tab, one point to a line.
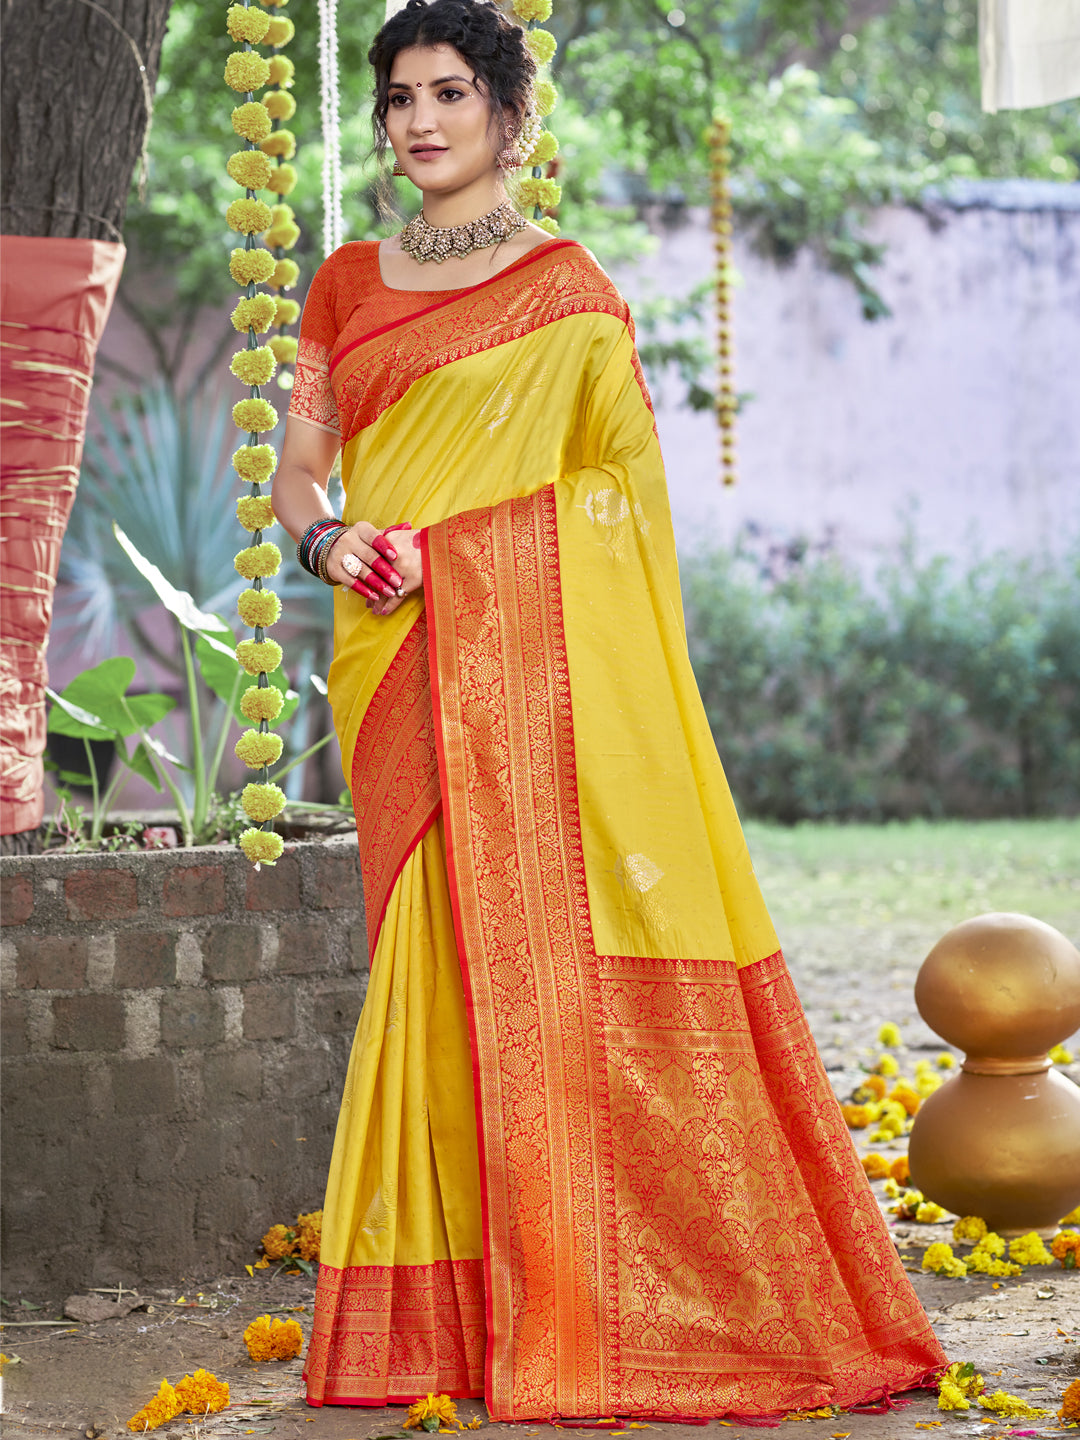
588	1162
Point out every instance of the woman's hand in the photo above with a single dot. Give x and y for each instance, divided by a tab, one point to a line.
364	559
409	565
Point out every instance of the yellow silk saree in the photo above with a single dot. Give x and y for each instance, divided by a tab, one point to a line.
588	1161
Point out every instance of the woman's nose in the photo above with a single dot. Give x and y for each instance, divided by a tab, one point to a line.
423	119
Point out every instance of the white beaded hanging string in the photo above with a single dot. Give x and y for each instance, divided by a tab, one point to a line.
333	219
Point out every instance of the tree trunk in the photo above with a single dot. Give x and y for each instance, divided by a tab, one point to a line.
78	78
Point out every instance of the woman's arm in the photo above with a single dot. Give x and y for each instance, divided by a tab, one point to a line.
361	557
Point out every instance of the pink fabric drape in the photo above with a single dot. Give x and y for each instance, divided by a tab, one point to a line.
55	296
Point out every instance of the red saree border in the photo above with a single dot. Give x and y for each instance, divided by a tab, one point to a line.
384	1335
668	1278
540	252
395	777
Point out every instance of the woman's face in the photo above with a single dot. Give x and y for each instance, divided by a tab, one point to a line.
438	122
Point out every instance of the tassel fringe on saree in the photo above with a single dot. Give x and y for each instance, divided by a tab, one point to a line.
588	1161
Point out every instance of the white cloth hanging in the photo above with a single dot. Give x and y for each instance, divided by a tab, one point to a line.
1029	52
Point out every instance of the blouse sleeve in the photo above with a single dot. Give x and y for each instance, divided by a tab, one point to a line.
312	395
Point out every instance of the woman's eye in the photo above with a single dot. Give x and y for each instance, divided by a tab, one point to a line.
394	99
451	95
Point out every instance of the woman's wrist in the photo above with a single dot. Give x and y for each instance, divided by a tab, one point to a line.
314	546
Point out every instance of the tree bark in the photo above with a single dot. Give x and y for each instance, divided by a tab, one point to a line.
78	79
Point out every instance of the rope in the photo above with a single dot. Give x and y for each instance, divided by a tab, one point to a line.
333	220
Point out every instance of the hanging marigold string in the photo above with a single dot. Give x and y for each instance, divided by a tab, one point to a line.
727	405
260	126
537	144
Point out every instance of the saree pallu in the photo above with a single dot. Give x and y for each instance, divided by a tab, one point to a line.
589	1162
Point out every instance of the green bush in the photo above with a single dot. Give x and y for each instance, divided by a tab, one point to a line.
933	691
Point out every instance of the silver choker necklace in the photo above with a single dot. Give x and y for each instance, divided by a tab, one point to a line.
428	242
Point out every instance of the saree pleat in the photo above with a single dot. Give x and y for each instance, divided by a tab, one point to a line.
589	1161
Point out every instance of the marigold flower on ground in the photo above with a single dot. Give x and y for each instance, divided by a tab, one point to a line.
255	512
889	1034
966	1379
268	1339
262	847
259	609
1072	1218
1070	1402
908	1203
873	1087
261	702
163	1407
258	560
945	1061
876	1167
431	1413
900	1170
926	1082
985	1258
256	313
255	463
250	168
906	1096
251	266
254	367
1010	1406
246	24
262	802
257	749
930	1213
309	1235
940	1259
1030	1250
246	71
538	10
249	217
252	121
280	104
1061	1055
280	32
857	1116
951	1398
254	415
970	1227
284	348
278	1242
1066	1248
202	1393
887	1065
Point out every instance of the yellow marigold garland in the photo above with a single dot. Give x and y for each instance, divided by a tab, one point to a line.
255	312
727	405
257	750
163	1407
261	702
259	657
540	193
251	121
254	367
262	801
255	512
251	266
259	608
255	463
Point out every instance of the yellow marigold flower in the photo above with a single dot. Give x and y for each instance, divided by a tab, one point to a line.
1010	1406
261	702
1066	1248
309	1235
887	1065
282	179
250	168
202	1393
281	143
545	149
890	1128
857	1116
535	10
263	560
268	1339
259	608
892	1189
966	1379
547	97
254	415
164	1406
544	193
249	217
254	367
984	1259
991	1244
930	1214
256	749
1061	1056
970	1227
255	512
280	32
548	223
904	1095
1072	1218
284	348
280	104
908	1203
432	1407
1070	1402
281	71
900	1170
247	266
889	1035
245	24
950	1398
286	274
286	312
244	70
254	314
926	1082
541	45
262	847
876	1167
255	463
259	657
277	1243
945	1061
283	236
252	121
940	1259
873	1086
262	802
1030	1250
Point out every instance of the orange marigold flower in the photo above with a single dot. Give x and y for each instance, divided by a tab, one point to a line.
163	1407
904	1095
900	1170
876	1166
873	1086
278	1242
431	1413
857	1116
268	1339
1070	1402
1066	1248
202	1393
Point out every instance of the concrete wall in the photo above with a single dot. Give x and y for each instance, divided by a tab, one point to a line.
960	411
176	1029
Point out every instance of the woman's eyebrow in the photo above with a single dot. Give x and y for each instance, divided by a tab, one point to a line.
402	85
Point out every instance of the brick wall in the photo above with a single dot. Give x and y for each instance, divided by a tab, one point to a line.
176	1029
